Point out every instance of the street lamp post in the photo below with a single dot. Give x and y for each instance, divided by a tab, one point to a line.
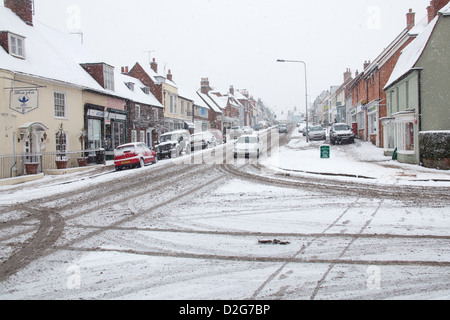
306	94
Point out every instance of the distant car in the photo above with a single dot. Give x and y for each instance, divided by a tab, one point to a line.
235	132
248	146
317	133
258	126
218	135
282	128
247	130
203	140
133	155
173	144
341	132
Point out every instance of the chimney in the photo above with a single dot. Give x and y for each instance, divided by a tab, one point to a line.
205	85
23	8
366	64
410	19
154	65
434	7
232	90
347	74
169	75
430	11
124	70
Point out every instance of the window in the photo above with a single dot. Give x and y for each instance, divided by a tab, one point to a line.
133	136
61	145
60	105
409	136
182	107
16	46
172	104
156	115
138	111
142	137
108	76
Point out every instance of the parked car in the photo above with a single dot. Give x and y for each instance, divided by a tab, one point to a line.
218	135
317	133
133	155
236	132
258	126
173	144
202	140
248	146
341	132
247	130
282	128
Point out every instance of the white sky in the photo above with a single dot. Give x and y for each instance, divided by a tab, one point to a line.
237	42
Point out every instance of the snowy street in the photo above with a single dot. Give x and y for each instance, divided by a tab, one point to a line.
289	226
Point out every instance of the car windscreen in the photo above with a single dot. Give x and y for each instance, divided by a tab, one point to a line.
247	140
341	128
169	137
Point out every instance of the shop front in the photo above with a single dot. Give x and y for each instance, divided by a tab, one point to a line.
106	129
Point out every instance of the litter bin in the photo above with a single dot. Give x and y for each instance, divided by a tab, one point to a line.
100	156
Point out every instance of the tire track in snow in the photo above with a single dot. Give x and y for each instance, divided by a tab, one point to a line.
302	249
322	280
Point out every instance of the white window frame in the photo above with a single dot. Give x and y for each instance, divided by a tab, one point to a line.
16	49
142	136
57	103
134	136
108	77
137	111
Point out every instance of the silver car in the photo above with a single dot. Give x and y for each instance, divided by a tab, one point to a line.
317	133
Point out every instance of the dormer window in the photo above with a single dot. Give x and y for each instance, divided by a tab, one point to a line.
130	85
102	73
16	45
108	76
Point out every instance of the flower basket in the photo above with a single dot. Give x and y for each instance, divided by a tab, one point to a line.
82	162
61	164
32	167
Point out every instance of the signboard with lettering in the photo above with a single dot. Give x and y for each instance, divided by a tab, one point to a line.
24	101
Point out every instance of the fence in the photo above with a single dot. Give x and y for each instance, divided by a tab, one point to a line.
14	165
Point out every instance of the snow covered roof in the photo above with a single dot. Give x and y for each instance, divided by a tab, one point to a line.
156	77
411	54
445	10
212	105
53	55
136	95
49	54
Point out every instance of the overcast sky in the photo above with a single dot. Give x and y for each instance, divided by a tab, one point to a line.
237	42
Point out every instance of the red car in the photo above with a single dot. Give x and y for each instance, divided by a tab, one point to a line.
133	155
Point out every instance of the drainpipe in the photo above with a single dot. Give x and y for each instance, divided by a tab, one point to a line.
419	76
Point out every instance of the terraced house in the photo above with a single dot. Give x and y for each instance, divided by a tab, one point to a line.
418	95
57	99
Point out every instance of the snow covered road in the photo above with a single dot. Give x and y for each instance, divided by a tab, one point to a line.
223	231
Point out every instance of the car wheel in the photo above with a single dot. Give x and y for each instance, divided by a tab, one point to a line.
141	163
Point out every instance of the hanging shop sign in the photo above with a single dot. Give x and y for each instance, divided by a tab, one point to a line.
24	101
